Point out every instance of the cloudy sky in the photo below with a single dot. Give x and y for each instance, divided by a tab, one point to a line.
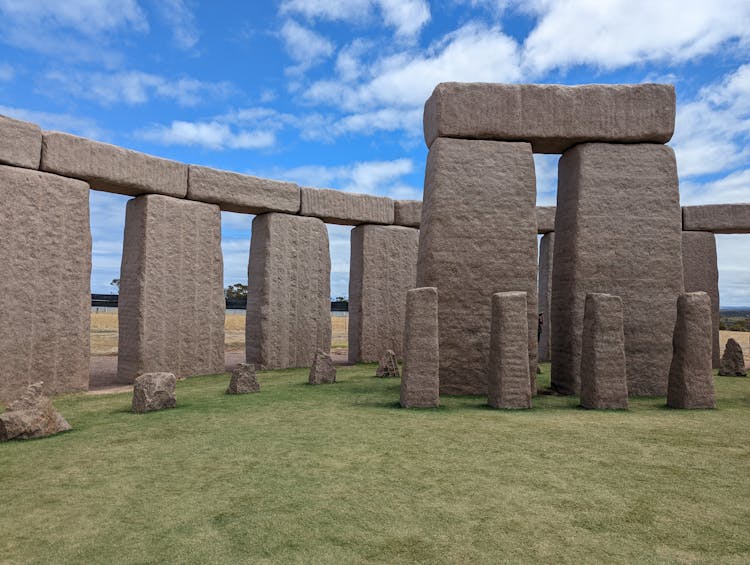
329	93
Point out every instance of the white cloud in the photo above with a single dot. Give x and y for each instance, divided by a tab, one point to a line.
180	17
406	16
59	122
731	188
734	269
545	167
7	73
211	135
304	45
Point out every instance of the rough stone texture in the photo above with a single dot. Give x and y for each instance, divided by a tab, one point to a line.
243	380
322	370
691	380
154	391
509	384
717	218
45	271
603	379
545	219
478	237
420	379
20	143
346	208
544	292
701	274
383	267
388	365
245	194
288	302
171	310
733	361
31	416
551	117
407	213
111	168
617	231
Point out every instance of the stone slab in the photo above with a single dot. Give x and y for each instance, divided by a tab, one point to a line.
544	292
508	382
717	218
383	267
420	376
45	251
288	302
345	208
110	168
171	309
551	117
545	219
20	143
477	238
407	213
617	231
701	273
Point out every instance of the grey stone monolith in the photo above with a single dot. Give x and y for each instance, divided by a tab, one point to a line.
388	365
733	360
420	386
383	267
243	380
288	300
171	308
508	382
544	292
154	391
691	380
478	236
323	370
603	380
701	273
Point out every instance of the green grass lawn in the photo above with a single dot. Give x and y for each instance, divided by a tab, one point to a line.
340	474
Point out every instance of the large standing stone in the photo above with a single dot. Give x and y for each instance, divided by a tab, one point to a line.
20	143
420	379
617	231
345	208
243	380
509	384
171	309
603	379
288	301
31	416
388	365
383	267
717	218
544	291
701	274
477	238
154	391
45	286
733	361
323	371
691	380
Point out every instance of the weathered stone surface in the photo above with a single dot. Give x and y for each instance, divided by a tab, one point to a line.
345	208
691	380
544	292
322	370
717	218
288	302
31	416
617	231
171	309
509	384
245	194
20	143
407	213
420	379
45	251
478	237
733	361
545	219
243	380
383	267
388	365
154	391
603	380
551	117
111	168
701	273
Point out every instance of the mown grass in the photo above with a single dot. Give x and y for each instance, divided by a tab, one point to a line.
340	474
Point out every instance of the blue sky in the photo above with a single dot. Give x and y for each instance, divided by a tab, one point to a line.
329	93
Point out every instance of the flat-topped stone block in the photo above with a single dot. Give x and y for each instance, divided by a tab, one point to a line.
420	377
345	208
245	194
407	213
20	143
551	117
717	218
544	294
111	168
509	384
545	219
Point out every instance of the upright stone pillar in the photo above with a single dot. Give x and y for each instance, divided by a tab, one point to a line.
383	267
618	231
419	382
171	309
546	248
45	278
509	385
477	237
699	267
289	291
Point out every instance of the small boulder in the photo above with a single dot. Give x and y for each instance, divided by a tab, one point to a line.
388	366
31	416
733	361
322	370
154	391
243	380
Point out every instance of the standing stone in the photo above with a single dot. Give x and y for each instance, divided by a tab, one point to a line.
691	380
243	380
509	385
31	416
617	231
383	267
171	310
154	391
388	366
603	379
420	386
733	360
288	299
322	371
477	237
45	282
546	248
